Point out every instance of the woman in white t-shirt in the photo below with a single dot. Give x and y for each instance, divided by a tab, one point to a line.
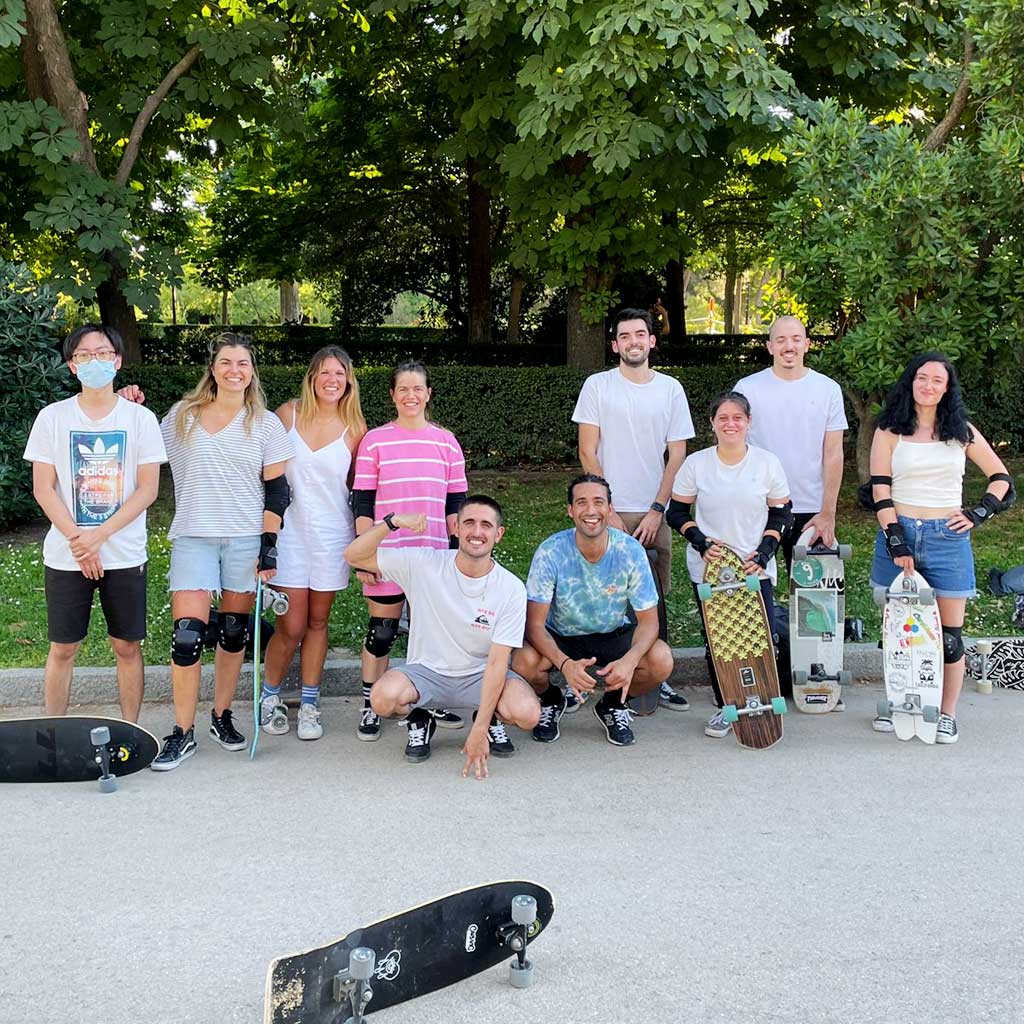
742	502
228	456
325	425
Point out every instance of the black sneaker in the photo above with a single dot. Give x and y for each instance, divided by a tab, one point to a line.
446	719
572	702
421	727
668	698
501	745
223	730
178	747
546	730
616	725
369	725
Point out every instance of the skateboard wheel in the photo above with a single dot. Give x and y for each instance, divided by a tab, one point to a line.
983	647
799	677
845	677
730	714
799	552
926	595
704	591
930	713
524	909
361	962
100	736
984	686
779	705
108	784
520	976
754	584
845	552
883	708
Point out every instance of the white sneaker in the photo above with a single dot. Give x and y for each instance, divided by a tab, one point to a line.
882	724
273	716
717	726
309	727
948	732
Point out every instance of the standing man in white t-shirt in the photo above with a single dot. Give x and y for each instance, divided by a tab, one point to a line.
470	616
798	415
629	417
95	470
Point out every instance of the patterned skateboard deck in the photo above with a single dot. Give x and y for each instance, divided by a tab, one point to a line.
740	642
817	608
912	657
418	951
1004	661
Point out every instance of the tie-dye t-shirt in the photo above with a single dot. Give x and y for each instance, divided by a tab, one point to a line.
590	598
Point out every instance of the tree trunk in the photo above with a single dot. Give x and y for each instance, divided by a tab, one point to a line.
675	300
862	409
224	308
515	301
585	342
737	306
478	259
730	299
117	312
288	293
174	305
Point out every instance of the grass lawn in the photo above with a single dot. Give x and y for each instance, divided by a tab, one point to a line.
535	507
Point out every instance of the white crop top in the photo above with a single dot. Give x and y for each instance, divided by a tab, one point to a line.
928	474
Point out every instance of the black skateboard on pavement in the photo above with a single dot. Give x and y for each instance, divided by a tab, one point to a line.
418	951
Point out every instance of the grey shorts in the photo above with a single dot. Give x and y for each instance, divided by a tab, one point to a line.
441	691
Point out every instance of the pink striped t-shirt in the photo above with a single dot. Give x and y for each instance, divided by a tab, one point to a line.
412	471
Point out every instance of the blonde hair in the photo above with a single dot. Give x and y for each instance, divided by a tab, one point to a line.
350	411
204	393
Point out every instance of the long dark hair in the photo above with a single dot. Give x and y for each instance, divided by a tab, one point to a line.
899	415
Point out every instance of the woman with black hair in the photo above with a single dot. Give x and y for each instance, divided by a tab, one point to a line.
918	458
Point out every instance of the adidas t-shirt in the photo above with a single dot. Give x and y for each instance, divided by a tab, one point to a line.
97	465
218	478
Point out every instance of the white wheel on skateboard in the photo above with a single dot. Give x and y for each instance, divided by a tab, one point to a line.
524	910
520	977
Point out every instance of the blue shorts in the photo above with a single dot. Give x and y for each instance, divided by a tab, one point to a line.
943	557
214	564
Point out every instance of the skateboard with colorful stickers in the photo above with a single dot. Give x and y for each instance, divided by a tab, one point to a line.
912	658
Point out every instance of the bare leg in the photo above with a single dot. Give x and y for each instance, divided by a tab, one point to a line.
191	604
130	676
394	695
951	613
518	704
533	667
60	666
654	668
314	646
289	630
228	666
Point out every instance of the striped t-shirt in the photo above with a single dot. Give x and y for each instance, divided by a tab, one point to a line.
218	478
412	471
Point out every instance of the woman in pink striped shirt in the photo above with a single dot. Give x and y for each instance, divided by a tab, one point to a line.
409	465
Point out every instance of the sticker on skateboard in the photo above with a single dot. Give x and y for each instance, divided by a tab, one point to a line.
413	953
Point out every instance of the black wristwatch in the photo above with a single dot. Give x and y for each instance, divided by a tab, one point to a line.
656	506
389	522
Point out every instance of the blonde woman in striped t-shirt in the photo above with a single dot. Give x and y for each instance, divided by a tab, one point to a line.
407	466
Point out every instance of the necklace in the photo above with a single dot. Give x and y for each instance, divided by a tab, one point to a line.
469	594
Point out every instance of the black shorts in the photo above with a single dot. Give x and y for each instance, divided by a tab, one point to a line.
69	603
605	647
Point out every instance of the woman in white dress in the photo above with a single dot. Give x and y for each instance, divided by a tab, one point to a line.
325	425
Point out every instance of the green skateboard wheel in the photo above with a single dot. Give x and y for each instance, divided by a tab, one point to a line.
779	705
704	591
753	584
730	714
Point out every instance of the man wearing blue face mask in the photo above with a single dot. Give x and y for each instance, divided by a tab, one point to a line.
95	470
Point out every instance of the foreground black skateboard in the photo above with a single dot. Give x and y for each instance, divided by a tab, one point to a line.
73	748
418	951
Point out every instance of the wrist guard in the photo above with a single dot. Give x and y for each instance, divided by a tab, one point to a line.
697	539
766	551
990	505
896	541
268	552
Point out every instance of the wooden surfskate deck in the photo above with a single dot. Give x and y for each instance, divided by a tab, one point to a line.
418	951
740	641
60	748
817	610
997	661
912	658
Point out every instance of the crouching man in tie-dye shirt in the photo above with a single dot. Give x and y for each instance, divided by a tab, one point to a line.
592	614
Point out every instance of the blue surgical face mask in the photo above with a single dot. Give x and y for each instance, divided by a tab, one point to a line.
96	373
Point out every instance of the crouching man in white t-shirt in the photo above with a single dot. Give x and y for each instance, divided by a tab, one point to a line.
470	615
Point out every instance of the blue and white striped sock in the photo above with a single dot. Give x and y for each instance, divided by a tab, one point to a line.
270	691
310	694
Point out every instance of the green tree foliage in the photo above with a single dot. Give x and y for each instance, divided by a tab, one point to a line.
33	376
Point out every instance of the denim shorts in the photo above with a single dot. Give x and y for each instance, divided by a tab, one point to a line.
943	557
214	564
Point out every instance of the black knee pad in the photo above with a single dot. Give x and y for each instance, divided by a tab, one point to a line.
952	644
234	629
187	641
381	635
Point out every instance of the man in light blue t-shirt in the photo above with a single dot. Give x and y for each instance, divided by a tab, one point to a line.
592	613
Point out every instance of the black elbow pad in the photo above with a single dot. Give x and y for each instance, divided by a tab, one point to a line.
277	495
679	514
453	502
363	503
780	518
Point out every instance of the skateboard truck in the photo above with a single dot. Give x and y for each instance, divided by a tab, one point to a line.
274	600
352	984
728	583
984	649
516	934
754	706
100	737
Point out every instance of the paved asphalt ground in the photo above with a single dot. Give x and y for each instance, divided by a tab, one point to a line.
841	877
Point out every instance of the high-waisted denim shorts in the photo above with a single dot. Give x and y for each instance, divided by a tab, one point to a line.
942	556
214	564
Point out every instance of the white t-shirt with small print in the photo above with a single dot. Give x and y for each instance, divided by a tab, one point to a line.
218	478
